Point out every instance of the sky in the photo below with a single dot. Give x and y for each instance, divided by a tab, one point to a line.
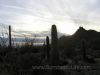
39	15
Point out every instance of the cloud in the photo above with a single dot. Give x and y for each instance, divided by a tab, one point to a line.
39	15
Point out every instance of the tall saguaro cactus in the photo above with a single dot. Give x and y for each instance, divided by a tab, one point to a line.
44	50
54	46
47	48
10	36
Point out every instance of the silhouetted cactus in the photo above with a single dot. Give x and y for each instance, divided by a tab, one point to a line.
44	50
47	48
54	46
10	37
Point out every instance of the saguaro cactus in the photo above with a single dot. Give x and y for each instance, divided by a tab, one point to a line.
9	36
54	46
47	48
44	50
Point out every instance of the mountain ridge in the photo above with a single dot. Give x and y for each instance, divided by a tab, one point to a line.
91	37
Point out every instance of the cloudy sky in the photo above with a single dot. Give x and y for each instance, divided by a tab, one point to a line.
39	15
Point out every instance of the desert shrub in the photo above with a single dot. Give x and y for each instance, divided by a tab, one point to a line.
26	61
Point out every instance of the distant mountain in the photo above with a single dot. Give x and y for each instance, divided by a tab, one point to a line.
91	37
88	35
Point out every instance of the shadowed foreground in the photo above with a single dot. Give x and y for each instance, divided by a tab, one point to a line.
58	58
